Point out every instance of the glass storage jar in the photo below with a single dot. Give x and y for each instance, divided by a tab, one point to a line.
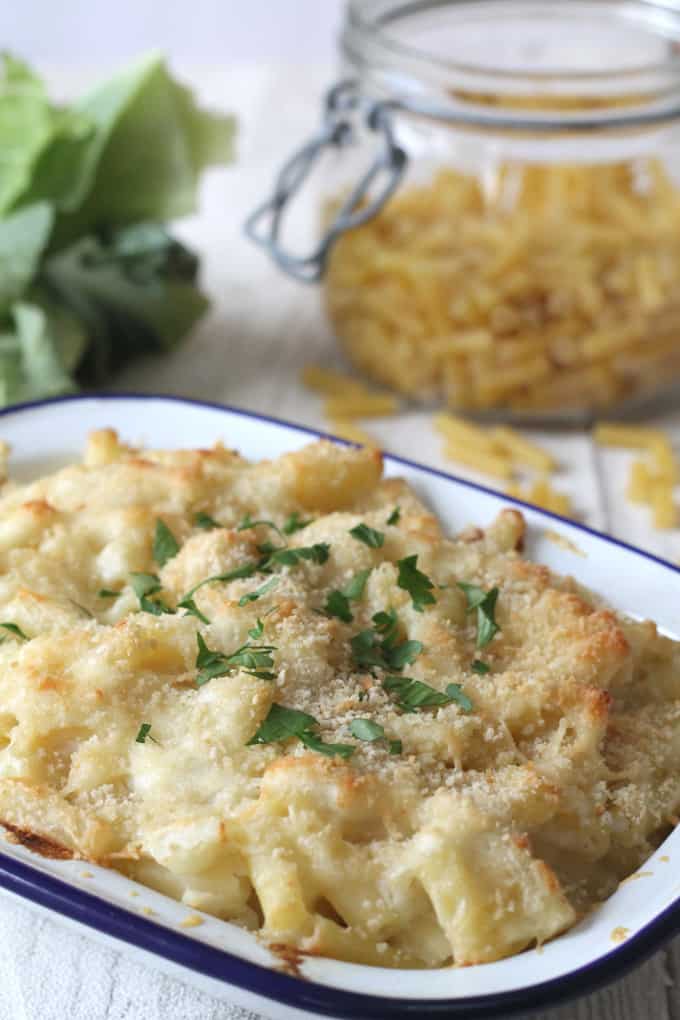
514	246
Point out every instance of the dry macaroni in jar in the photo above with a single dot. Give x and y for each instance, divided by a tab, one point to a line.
526	260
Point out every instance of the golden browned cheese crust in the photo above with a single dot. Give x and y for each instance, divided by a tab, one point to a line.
472	830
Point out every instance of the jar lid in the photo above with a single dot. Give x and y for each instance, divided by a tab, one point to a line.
580	56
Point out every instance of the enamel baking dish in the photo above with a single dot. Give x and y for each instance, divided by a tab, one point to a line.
227	961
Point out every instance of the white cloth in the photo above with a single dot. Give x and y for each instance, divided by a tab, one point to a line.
48	972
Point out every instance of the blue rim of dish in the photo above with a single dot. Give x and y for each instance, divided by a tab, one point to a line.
92	911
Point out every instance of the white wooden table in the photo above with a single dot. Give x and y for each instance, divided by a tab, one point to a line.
248	352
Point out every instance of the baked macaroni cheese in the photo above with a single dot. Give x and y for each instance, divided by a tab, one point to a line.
280	694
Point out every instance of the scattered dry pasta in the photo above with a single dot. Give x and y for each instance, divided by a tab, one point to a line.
361	405
630	437
542	494
497	452
651	480
330	383
347	400
551	288
352	433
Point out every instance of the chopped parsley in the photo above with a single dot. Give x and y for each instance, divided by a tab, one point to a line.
337	603
354	589
380	648
418	585
317	553
248	523
107	593
165	545
294	523
369	536
480	667
394	516
271	556
205	521
283	723
258	630
144	586
257	593
256	660
414	694
246	570
192	609
484	602
366	729
15	629
145	734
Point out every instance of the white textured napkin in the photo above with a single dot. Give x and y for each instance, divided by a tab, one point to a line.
52	973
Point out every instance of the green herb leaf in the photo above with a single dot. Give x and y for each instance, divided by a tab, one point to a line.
404	654
205	521
366	729
145	585
485	604
145	734
369	536
107	593
366	650
337	605
209	663
381	648
294	523
487	627
283	723
192	609
15	629
165	545
354	589
417	584
253	596
247	570
315	743
248	523
253	659
474	595
291	557
266	549
338	602
455	694
480	667
414	694
394	516
387	625
395	747
257	631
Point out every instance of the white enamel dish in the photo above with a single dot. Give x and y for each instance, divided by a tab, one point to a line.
228	962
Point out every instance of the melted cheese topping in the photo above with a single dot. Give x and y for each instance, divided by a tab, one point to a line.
492	830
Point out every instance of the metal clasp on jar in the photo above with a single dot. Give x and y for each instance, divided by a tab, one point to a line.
343	103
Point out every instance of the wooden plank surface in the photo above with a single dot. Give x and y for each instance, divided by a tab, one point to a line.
248	352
